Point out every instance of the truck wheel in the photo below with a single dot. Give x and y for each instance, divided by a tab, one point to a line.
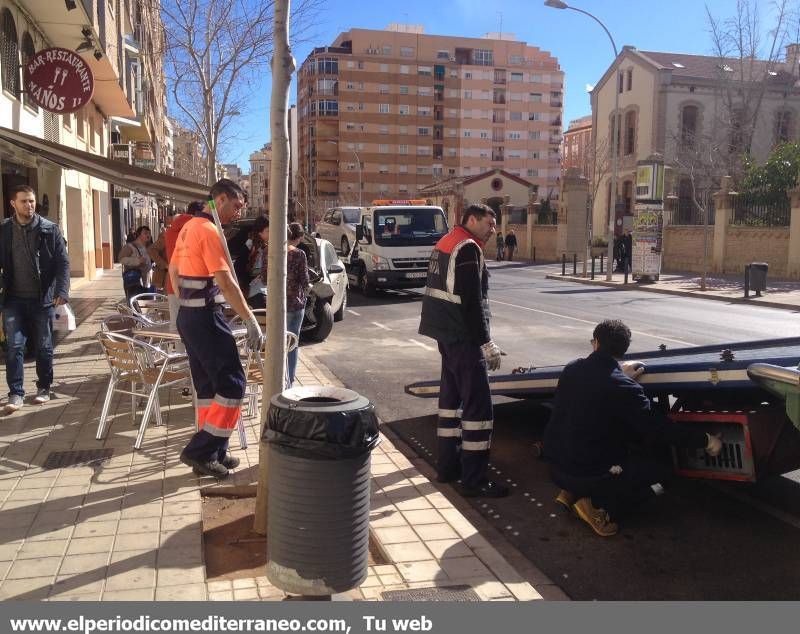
324	314
367	289
345	246
339	314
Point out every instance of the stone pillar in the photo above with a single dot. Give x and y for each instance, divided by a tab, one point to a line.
722	218
531	217
505	210
793	263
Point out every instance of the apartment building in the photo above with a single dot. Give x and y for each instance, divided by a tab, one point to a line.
260	164
577	146
190	160
666	100
106	36
382	113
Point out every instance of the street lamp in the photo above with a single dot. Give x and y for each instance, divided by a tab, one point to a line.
358	163
558	4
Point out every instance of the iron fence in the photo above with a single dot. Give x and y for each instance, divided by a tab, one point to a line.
683	211
761	209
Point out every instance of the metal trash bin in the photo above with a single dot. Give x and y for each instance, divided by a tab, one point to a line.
320	440
756	277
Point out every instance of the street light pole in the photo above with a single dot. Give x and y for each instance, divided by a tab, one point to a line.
558	4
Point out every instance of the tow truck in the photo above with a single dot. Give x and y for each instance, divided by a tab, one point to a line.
394	241
749	392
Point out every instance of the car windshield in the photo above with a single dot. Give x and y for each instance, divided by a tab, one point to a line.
352	215
406	226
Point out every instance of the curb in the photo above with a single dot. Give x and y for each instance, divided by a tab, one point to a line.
666	291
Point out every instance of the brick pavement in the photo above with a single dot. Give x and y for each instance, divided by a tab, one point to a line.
130	528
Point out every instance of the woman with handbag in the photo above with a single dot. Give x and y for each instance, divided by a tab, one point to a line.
137	265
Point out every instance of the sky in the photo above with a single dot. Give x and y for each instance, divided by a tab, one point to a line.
578	42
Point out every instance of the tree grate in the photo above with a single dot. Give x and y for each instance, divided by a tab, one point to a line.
81	457
447	593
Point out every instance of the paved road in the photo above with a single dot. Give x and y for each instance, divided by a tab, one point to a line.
694	544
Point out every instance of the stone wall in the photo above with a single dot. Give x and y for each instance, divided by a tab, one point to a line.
545	240
683	248
755	244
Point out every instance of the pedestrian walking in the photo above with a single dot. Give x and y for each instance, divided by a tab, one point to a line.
627	241
201	273
501	246
137	267
511	244
158	254
455	312
297	281
35	275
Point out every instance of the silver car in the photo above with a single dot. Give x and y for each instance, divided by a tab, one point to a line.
338	226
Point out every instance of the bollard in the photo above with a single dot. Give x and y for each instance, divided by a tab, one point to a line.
534	255
601	262
563	264
593	267
574	263
746	281
626	272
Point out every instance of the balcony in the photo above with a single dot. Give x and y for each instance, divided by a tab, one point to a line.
498	157
555	139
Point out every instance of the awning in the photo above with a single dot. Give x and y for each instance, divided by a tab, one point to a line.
131	177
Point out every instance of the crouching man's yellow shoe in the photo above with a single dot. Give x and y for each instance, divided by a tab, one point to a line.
565	499
598	519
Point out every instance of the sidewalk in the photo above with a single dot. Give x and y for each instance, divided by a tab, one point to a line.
727	288
130	528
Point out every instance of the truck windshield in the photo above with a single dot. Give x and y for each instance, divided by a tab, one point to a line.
409	226
352	216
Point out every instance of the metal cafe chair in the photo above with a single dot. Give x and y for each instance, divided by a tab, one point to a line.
141	365
154	307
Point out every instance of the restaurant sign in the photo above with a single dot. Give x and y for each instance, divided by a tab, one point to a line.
58	80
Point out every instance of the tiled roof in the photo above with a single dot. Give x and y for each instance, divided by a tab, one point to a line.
714	68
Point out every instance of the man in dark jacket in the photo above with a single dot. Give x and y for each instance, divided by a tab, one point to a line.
35	279
455	312
604	442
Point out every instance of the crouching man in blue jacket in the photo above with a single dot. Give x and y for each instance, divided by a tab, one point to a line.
605	443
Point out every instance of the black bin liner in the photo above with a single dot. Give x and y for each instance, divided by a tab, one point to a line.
321	423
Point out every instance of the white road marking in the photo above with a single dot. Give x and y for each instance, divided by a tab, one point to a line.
375	323
352	312
592	323
421	345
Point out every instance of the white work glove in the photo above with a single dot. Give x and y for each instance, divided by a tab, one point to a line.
714	446
491	352
632	369
255	338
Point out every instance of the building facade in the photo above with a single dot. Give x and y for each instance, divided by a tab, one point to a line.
190	160
669	101
260	164
108	36
383	113
577	146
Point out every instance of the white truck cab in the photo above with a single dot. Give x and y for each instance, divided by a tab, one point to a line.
394	241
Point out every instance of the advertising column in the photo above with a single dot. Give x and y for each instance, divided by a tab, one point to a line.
648	221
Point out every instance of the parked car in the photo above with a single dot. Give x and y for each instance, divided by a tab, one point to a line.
327	299
338	226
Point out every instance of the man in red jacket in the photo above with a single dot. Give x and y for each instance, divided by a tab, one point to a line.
455	312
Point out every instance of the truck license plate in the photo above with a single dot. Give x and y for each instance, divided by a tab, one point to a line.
417	274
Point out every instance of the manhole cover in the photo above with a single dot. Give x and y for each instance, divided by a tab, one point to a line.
83	457
450	593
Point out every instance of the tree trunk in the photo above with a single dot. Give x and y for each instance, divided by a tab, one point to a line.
283	67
